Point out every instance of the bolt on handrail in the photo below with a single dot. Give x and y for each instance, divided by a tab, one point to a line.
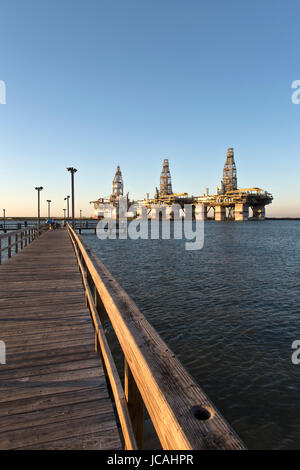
183	416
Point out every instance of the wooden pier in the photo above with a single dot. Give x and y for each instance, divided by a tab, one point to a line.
53	392
56	299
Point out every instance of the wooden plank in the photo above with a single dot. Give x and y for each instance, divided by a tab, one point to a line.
37	435
50	383
51	335
57	414
54	356
50	368
45	402
94	441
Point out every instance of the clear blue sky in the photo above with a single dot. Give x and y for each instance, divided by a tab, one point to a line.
95	83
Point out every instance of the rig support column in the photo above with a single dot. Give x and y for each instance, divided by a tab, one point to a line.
200	212
158	212
241	212
259	212
220	213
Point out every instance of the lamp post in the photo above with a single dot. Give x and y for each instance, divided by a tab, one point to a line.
4	220
39	189
68	212
49	201
72	171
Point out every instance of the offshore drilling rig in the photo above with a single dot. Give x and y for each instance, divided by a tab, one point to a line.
230	203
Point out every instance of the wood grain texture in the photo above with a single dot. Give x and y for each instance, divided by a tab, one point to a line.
53	392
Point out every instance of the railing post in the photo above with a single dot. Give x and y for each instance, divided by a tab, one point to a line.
99	306
9	246
22	240
135	405
16	243
0	251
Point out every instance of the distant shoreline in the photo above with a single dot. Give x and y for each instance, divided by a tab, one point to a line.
282	218
92	218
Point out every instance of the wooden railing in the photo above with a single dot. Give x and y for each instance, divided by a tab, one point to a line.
182	415
17	240
9	226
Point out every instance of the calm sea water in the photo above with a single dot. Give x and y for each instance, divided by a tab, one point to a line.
230	312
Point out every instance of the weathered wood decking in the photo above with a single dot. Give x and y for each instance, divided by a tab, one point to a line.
53	392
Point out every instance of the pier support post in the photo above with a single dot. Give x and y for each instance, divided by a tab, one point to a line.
241	212
135	405
259	212
220	213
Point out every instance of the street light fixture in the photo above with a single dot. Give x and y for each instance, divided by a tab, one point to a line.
49	201
39	189
72	171
67	199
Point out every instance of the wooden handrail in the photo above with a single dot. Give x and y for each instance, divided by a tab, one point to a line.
183	416
7	234
27	235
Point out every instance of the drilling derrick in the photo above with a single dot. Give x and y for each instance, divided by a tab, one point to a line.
229	182
165	180
117	187
109	207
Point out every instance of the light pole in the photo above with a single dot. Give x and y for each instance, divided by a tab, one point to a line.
39	189
80	217
49	201
72	171
4	219
67	199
